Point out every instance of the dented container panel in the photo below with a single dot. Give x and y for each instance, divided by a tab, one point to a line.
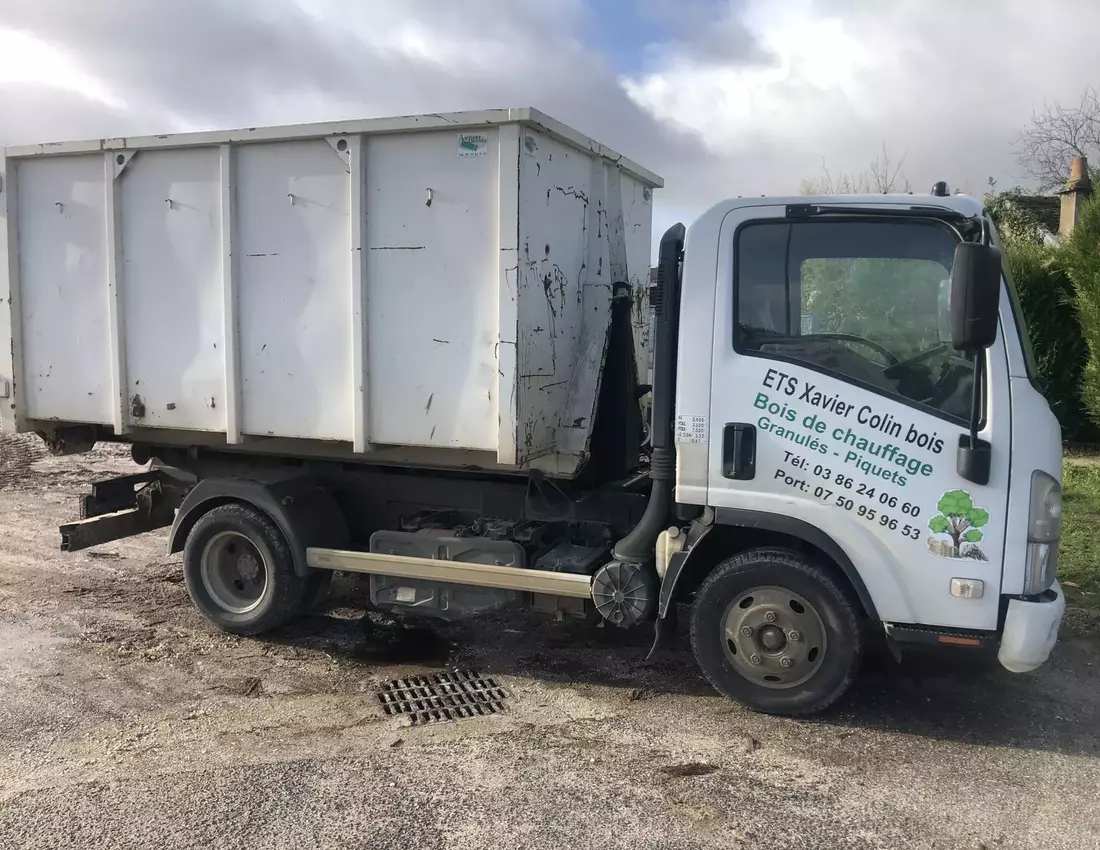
172	289
585	227
561	259
432	296
293	262
64	308
429	289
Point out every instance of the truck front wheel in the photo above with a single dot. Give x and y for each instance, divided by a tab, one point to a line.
773	630
240	573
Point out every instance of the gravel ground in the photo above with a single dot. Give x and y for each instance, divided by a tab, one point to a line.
125	721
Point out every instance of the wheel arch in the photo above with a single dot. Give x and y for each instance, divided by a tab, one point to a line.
736	530
305	513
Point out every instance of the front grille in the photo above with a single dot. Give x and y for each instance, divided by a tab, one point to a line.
450	695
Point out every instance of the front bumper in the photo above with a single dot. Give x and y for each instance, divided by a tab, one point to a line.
1031	630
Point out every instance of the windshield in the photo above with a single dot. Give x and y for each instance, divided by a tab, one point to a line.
867	299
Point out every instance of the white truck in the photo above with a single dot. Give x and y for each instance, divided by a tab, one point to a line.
411	348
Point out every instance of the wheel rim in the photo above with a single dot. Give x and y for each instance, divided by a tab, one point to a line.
773	636
234	572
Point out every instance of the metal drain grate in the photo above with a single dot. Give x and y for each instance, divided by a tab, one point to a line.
450	695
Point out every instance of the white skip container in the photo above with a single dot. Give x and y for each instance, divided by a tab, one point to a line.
428	289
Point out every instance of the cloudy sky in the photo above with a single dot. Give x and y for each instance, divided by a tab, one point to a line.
721	97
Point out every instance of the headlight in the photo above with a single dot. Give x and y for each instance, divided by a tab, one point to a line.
1044	528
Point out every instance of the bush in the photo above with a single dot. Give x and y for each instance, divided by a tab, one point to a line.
1061	353
1080	254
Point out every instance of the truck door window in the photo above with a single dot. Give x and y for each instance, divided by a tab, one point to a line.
865	300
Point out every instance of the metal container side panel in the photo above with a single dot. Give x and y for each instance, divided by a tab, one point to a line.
604	243
293	264
608	228
637	201
64	309
507	332
431	278
617	253
10	342
620	244
172	289
559	259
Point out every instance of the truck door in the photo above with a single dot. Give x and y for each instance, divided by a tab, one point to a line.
837	402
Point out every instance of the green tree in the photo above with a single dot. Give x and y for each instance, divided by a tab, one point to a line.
1050	313
1048	300
1080	253
1017	220
959	519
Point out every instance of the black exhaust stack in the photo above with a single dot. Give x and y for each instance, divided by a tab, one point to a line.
638	545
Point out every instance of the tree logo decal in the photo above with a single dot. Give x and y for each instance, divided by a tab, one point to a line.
961	522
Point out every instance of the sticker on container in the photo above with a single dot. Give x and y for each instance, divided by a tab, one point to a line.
691	429
473	144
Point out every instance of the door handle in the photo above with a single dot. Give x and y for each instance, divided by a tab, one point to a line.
739	451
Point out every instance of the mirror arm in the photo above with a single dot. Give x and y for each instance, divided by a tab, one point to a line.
976	393
974	454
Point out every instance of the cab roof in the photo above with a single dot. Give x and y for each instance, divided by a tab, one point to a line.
965	205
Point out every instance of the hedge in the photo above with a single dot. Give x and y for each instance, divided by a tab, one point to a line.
1061	353
1080	256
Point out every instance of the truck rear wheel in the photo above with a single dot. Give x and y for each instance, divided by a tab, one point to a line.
774	631
240	573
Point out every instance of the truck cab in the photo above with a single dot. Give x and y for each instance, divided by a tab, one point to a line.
825	412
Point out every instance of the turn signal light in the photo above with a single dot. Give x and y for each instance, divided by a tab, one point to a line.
967	588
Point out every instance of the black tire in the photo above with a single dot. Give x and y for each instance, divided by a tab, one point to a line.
829	611
283	592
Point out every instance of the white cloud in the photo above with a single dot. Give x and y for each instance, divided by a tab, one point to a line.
742	96
27	61
719	98
949	85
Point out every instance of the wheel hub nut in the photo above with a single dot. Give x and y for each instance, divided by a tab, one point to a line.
746	631
785	662
770	616
248	568
756	659
795	635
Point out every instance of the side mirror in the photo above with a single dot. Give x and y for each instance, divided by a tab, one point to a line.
975	296
975	300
